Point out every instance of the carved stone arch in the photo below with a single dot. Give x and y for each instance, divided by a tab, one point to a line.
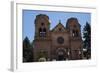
61	54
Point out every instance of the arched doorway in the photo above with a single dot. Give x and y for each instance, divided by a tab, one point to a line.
61	54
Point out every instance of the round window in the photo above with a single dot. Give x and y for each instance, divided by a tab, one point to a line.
60	40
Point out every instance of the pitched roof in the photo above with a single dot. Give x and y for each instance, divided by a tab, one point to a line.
59	27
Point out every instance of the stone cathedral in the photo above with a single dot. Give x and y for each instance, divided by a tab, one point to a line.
59	43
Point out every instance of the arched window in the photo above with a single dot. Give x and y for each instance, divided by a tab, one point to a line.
75	33
42	32
44	29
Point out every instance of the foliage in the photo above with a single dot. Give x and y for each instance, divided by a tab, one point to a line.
27	50
87	39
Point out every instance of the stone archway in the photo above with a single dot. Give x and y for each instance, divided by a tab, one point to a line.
61	54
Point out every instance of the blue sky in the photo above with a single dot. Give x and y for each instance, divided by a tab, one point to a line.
28	17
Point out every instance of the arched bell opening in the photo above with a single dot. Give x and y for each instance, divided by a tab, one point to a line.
42	32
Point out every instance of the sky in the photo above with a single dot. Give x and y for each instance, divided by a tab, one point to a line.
28	17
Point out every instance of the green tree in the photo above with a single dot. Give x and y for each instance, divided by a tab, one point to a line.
87	40
27	50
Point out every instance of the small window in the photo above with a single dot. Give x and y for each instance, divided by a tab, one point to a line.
42	24
74	26
60	29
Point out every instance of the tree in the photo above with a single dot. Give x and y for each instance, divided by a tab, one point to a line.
27	50
87	40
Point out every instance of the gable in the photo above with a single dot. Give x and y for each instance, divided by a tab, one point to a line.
59	28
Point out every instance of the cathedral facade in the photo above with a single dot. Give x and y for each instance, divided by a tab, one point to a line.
60	43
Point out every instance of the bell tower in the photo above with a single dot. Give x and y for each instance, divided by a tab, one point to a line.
42	38
42	26
74	28
75	38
